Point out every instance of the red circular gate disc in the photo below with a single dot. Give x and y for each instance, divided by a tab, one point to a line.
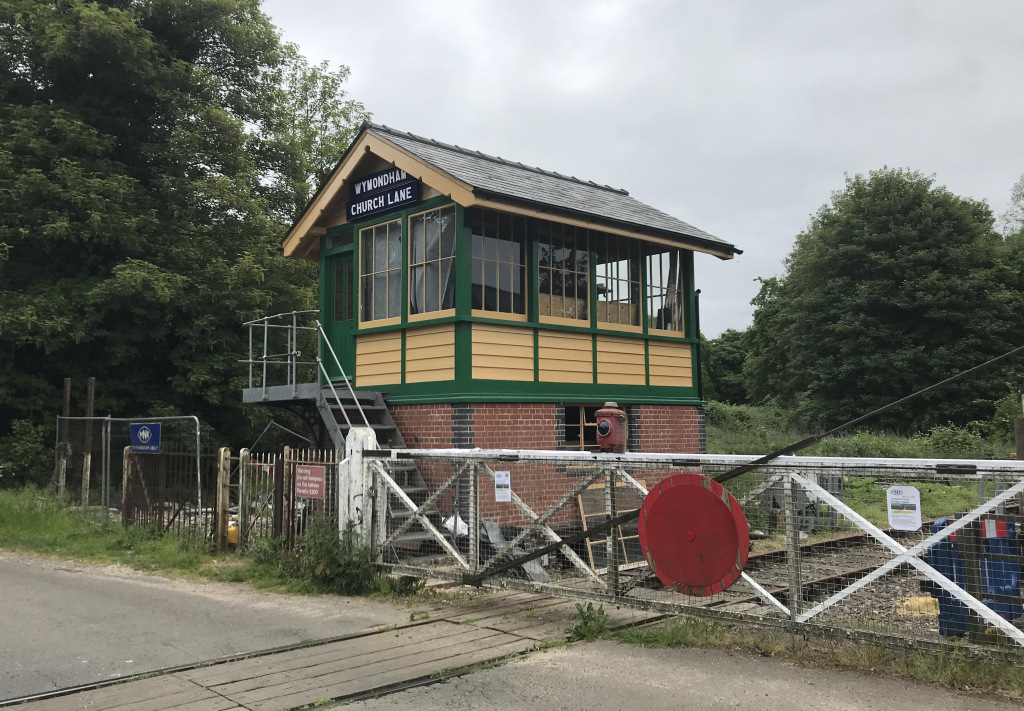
694	534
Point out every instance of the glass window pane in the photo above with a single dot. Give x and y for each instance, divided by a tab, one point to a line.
394	293
433	235
380	296
380	249
490	248
395	246
478	244
447	284
417	238
366	249
505	287
448	232
430	287
416	289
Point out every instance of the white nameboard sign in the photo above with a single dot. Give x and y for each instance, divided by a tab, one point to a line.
904	506
502	486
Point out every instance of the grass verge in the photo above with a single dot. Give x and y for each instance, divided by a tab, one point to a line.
951	668
35	521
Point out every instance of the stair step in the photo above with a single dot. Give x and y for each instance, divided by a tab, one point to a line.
410	536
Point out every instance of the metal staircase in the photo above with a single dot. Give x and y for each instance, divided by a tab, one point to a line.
278	376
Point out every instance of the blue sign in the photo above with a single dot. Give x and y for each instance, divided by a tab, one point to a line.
380	192
145	438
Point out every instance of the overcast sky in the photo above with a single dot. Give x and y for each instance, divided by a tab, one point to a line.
740	118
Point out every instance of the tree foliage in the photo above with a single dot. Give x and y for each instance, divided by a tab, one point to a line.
722	359
146	175
895	285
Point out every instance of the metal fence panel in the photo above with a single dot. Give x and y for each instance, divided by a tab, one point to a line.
825	555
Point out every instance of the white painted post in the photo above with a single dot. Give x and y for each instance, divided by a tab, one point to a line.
355	482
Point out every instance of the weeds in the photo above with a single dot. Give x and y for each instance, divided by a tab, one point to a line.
587	624
339	564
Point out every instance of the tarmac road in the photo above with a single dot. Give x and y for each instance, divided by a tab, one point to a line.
608	676
64	624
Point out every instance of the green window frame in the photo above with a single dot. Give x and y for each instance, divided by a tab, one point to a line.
380	276
617	265
666	291
498	277
432	260
563	256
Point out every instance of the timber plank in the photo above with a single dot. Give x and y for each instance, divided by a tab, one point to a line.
189	696
312	675
482	616
111	696
385	678
299	658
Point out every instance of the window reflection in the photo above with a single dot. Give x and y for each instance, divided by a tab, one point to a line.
499	262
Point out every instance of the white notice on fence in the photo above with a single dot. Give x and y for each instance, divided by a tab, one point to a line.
904	505
502	486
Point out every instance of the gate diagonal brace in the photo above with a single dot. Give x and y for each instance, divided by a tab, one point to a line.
424	521
431	500
540	523
910	555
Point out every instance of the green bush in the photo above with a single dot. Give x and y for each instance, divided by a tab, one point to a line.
25	457
340	564
952	442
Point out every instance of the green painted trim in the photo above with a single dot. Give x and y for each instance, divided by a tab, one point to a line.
643	291
406	246
463	263
647	362
532	271
593	357
463	354
403	357
536	355
499	391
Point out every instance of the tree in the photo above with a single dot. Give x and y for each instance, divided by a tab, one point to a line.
138	139
724	358
895	285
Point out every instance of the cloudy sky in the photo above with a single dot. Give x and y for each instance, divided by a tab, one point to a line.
738	117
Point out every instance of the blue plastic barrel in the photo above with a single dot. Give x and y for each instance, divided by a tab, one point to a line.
998	577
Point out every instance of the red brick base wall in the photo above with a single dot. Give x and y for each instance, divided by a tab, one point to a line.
653	428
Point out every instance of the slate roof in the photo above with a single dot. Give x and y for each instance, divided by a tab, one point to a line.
493	176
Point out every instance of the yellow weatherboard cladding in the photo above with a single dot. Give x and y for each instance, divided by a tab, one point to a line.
379	359
430	354
565	357
671	363
620	361
502	352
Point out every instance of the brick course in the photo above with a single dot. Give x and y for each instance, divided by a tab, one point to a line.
652	428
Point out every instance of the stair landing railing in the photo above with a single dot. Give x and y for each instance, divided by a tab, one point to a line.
266	335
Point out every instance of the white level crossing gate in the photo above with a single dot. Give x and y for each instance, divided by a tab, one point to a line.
824	557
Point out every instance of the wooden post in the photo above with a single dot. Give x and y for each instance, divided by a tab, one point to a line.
1018	437
62	444
287	498
223	496
971	546
278	525
127	500
87	460
244	497
611	553
793	552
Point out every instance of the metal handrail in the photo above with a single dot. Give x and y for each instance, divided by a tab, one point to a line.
291	355
348	382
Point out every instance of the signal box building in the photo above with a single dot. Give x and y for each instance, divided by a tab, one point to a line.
497	305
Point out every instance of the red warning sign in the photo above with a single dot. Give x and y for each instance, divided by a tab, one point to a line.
309	481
